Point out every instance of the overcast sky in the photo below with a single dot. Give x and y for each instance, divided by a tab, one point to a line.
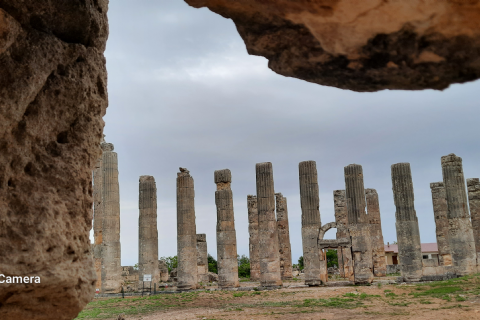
183	92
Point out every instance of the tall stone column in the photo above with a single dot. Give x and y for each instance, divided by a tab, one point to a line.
441	222
202	258
284	237
269	255
98	220
358	224
460	233
310	202
378	246
345	263
226	235
147	229
111	262
253	240
186	232
408	233
473	186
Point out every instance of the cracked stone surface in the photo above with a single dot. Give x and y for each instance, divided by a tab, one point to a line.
366	45
53	95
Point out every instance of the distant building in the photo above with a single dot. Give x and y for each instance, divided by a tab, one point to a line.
429	251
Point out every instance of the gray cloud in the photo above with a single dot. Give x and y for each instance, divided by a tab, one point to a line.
184	92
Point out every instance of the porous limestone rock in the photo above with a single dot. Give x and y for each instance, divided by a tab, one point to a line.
53	95
253	239
202	258
345	262
283	237
473	186
440	209
361	45
376	235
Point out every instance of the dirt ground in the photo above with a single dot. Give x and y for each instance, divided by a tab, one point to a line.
452	299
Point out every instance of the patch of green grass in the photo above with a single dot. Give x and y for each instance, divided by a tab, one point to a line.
436	292
239	294
454	306
390	294
342	303
459	298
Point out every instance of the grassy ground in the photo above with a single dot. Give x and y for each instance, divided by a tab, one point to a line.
377	301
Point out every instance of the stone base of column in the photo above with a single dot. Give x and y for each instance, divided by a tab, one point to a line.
311	256
347	263
362	253
462	246
409	250
187	275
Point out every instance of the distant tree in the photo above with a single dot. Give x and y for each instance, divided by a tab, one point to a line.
332	258
300	263
243	266
135	267
172	262
212	264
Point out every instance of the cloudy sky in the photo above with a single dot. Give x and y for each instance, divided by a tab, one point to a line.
183	92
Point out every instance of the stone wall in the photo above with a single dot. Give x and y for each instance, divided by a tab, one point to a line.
440	209
376	235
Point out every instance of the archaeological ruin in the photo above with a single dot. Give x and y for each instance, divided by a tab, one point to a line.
439	202
268	249
460	233
147	229
202	258
283	237
186	232
345	262
473	186
253	237
226	235
54	96
408	233
376	235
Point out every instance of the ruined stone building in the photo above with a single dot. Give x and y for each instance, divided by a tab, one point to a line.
186	232
253	239
376	235
107	251
313	260
269	255
408	234
460	234
284	237
226	235
358	224
147	229
202	258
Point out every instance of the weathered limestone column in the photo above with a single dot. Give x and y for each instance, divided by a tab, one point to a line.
358	224
253	240
202	258
311	224
98	220
147	229
226	236
378	246
269	255
345	262
408	234
186	232
441	222
460	234
473	186
111	263
284	237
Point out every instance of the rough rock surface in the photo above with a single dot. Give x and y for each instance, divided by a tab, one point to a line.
361	45
52	99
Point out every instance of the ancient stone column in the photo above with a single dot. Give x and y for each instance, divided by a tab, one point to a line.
147	229
310	202
408	234
269	255
473	186
345	262
283	237
186	232
460	233
202	258
358	224
226	236
441	222
253	240
376	235
98	220
111	262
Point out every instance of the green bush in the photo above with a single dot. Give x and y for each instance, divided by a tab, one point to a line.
212	264
243	266
172	262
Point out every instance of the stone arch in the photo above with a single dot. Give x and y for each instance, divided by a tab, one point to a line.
325	228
